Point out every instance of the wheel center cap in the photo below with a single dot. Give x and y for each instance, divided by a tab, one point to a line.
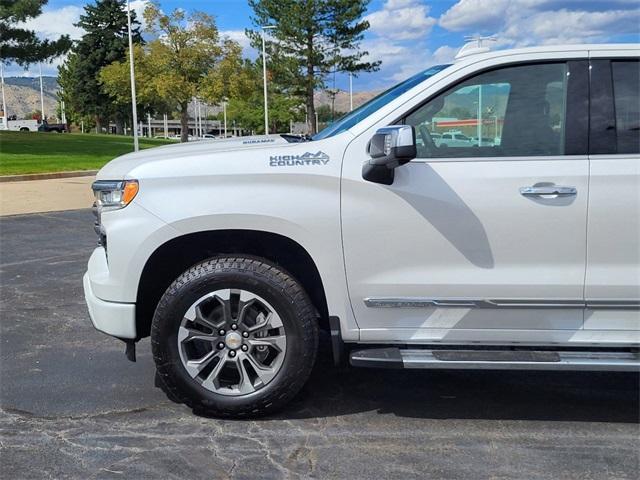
233	340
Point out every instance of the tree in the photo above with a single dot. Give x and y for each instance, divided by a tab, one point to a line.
115	81
104	42
312	38
186	50
21	45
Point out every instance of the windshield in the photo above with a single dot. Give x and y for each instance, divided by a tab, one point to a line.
375	104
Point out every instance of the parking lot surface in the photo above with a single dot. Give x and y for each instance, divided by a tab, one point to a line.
73	407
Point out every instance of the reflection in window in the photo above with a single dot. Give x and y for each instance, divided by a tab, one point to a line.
513	111
626	94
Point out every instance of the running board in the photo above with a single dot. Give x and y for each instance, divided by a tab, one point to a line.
496	359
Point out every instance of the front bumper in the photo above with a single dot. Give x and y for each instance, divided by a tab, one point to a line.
113	318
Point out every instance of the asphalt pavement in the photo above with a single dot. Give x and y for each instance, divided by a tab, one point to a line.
73	407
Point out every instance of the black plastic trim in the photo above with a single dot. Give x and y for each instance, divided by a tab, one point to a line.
577	109
337	345
602	127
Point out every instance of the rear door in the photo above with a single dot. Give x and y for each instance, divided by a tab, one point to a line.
612	287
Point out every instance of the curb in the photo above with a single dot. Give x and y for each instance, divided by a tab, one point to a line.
47	176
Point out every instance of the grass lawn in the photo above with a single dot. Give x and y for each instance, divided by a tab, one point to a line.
34	152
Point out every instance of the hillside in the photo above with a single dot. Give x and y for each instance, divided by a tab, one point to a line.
342	99
23	95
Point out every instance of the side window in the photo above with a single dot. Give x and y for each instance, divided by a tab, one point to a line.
511	111
626	96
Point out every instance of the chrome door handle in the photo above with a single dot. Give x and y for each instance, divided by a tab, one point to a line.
548	190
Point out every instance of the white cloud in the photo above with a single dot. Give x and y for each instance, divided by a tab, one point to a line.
56	22
401	20
565	26
240	37
401	60
477	14
532	22
138	7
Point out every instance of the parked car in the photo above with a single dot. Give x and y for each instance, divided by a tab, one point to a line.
454	139
486	142
233	255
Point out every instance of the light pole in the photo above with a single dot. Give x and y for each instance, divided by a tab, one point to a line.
350	91
264	78
479	132
4	102
41	95
224	111
134	107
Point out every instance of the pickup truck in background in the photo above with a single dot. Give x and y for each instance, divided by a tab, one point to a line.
34	126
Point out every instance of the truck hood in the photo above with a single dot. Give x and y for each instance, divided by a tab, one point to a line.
121	166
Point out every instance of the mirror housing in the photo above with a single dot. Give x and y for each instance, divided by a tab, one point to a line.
389	148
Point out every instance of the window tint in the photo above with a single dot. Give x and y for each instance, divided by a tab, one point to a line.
512	111
626	95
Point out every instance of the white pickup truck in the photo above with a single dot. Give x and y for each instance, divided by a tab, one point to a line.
520	254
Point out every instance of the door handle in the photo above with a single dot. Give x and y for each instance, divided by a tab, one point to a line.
554	190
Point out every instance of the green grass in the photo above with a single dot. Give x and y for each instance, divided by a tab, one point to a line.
31	152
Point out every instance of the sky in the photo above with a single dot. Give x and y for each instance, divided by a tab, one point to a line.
406	35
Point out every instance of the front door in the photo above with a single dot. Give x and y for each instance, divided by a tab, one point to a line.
482	240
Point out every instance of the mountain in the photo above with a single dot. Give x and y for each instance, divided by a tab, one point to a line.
342	99
22	95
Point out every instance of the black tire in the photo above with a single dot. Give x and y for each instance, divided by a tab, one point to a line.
263	278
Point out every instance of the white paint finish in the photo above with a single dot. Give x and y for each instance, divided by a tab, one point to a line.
192	189
577	338
461	229
133	234
613	238
611	319
117	319
501	245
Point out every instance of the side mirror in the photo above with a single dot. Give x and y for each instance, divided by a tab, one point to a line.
389	148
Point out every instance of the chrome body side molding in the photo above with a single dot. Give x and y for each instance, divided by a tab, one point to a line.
420	302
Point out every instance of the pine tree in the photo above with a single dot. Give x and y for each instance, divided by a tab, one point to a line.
21	45
311	39
105	41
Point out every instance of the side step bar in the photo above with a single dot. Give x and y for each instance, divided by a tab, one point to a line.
496	359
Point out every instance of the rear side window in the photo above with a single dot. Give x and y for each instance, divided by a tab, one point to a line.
626	97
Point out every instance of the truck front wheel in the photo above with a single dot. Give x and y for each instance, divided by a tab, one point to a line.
234	336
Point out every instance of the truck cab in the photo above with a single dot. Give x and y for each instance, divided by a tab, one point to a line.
519	253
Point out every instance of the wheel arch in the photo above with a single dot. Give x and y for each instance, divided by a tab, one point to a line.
176	255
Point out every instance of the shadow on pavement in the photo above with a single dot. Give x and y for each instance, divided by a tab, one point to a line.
459	394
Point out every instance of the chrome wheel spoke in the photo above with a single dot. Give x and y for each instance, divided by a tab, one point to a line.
194	367
244	385
279	342
271	320
210	381
203	320
186	334
265	373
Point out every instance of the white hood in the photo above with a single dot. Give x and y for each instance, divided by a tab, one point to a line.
119	167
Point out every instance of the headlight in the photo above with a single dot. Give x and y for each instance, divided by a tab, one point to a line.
114	194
